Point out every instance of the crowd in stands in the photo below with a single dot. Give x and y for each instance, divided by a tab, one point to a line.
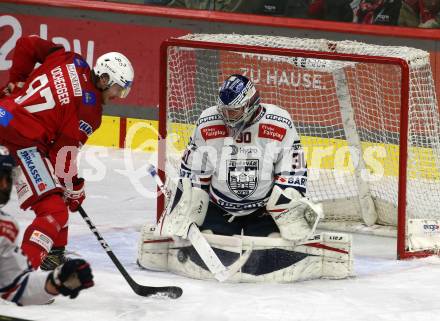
408	13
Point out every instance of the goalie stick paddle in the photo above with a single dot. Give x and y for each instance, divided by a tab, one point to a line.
210	258
201	245
173	292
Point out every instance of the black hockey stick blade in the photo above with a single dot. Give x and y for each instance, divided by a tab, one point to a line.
172	292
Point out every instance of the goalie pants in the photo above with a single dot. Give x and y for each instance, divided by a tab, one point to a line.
258	223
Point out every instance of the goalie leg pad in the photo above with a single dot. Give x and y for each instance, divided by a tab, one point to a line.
153	250
338	257
335	249
188	205
271	259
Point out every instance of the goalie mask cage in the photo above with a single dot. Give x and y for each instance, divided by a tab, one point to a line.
367	116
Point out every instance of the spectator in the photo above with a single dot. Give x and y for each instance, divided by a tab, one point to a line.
295	8
220	5
272	7
334	10
420	13
338	10
378	12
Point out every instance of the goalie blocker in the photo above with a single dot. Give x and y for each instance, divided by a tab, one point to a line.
326	255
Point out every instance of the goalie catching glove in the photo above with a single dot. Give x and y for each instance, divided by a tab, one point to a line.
295	216
187	205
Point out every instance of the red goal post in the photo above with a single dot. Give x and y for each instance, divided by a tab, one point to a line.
340	99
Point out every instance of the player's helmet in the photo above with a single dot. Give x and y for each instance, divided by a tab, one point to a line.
118	68
7	163
238	100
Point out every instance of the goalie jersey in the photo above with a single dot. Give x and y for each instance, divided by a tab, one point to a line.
239	173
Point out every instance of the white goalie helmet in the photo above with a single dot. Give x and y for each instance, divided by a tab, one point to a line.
118	68
238	100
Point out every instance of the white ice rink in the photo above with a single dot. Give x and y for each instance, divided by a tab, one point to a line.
383	289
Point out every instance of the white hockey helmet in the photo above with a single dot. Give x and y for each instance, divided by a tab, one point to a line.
118	68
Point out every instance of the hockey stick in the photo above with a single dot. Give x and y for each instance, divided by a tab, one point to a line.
201	245
170	291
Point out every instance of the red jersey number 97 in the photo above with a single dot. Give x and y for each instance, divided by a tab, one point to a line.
43	101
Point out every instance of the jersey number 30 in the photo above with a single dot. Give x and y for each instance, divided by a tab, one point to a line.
45	93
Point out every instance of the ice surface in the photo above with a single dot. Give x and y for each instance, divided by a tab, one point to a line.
383	289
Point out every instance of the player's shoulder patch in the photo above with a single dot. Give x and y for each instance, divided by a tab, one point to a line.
209	118
271	131
280	119
277	115
89	98
209	115
85	127
5	117
214	131
74	80
78	61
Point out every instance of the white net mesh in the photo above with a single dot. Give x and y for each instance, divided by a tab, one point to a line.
307	89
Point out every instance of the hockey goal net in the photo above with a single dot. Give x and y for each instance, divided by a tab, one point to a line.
367	116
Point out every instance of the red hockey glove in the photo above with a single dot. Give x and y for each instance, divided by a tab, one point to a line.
74	197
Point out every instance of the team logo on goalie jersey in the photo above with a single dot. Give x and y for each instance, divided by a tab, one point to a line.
243	176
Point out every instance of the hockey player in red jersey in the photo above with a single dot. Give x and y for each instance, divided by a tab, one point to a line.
46	114
18	283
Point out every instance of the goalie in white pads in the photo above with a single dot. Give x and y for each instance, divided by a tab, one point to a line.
243	182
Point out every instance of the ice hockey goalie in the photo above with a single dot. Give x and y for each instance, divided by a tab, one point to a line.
243	182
